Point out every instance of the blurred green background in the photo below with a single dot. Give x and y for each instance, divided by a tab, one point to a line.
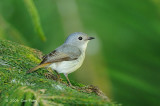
123	60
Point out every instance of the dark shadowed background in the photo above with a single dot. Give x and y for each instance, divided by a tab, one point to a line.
123	60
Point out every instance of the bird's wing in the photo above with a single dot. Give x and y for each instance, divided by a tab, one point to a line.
63	53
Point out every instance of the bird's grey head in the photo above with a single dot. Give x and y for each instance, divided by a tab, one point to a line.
78	39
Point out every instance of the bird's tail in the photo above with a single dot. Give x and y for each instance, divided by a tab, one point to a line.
37	67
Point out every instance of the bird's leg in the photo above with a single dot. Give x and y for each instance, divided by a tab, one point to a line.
66	75
58	75
50	74
50	70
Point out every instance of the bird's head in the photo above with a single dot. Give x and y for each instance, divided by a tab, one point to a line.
79	40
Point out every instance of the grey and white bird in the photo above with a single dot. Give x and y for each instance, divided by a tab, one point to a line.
68	57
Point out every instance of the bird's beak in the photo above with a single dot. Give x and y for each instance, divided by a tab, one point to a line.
90	38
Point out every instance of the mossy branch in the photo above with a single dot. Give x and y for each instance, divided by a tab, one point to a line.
19	88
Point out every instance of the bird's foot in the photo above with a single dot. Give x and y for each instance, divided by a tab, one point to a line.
59	80
50	76
70	85
73	87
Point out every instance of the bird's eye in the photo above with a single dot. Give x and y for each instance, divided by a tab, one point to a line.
80	38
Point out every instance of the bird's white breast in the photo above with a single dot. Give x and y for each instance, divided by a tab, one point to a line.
68	66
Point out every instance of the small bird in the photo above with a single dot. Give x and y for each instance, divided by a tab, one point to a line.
68	57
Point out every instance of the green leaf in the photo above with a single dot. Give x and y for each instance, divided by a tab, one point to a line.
35	18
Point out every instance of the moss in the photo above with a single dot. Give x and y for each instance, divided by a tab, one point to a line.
20	88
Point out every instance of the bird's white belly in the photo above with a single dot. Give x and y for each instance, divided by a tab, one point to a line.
67	66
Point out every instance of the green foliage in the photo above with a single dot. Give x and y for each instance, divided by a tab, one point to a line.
35	18
19	88
7	31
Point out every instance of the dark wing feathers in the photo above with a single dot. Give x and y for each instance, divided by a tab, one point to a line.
63	53
45	57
